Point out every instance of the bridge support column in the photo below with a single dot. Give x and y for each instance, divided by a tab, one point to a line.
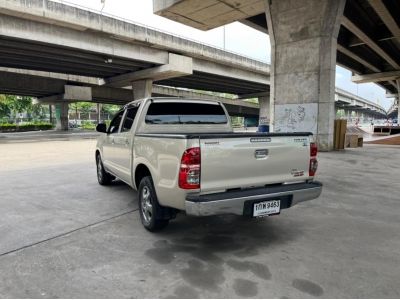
98	113
303	39
62	116
51	114
398	100
264	120
142	89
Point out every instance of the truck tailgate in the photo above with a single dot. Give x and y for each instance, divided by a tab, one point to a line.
229	162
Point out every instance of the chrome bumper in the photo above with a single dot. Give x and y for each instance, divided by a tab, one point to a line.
240	202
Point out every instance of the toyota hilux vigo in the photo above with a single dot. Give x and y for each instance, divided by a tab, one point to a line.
181	155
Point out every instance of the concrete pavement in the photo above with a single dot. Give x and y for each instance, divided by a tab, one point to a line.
63	235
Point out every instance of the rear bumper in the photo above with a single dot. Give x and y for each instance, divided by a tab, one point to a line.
241	202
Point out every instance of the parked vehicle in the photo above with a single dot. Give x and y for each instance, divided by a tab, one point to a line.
182	155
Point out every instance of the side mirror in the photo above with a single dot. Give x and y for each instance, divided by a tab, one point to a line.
101	128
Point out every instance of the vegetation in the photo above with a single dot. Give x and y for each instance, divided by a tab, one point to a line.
7	127
11	106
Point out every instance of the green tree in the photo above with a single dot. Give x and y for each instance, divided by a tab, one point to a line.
110	109
6	106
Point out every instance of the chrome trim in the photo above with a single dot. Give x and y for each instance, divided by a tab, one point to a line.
235	205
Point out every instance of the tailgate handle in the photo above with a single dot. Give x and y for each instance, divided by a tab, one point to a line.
261	153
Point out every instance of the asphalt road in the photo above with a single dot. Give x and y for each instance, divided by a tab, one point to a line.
63	235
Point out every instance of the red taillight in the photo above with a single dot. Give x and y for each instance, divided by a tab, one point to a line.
189	172
313	149
313	159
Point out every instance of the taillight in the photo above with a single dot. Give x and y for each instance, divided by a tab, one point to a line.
313	159
189	172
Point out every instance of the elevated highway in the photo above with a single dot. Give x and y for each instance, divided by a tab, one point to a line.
308	38
60	53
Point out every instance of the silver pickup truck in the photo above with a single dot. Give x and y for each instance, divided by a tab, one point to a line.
182	155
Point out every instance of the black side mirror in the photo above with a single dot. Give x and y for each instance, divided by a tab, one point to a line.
101	128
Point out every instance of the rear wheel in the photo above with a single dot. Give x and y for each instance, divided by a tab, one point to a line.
152	214
103	177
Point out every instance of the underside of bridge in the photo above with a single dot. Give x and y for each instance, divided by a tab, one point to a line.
59	54
308	37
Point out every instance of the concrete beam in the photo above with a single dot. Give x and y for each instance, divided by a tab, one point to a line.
391	95
376	77
71	94
177	66
49	99
357	58
120	35
386	17
369	41
228	71
253	95
175	92
43	32
52	75
208	14
82	93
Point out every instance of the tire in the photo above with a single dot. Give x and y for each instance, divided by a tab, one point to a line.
103	177
152	214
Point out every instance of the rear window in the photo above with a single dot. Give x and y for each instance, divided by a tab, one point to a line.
185	113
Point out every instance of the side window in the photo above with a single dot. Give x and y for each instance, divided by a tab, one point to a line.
129	118
115	123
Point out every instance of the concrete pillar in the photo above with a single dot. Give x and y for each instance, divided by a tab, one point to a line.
98	110
265	109
62	116
51	114
398	100
142	89
303	54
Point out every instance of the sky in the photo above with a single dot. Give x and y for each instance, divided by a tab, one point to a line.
230	37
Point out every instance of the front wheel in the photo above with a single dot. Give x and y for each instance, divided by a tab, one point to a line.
151	213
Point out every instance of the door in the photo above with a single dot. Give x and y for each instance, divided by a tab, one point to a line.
109	143
123	146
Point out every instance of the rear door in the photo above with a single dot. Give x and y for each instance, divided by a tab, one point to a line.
239	162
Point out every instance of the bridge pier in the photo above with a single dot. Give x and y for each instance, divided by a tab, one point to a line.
265	113
398	100
62	116
303	38
142	89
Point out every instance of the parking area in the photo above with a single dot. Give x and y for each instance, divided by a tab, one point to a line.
63	235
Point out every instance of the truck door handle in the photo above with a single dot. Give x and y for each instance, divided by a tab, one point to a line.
126	142
261	153
112	141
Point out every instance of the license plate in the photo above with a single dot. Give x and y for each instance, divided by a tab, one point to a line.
267	208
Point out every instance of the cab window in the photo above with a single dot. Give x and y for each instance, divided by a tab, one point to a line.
115	123
129	118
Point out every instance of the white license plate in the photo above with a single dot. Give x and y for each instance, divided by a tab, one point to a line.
267	208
